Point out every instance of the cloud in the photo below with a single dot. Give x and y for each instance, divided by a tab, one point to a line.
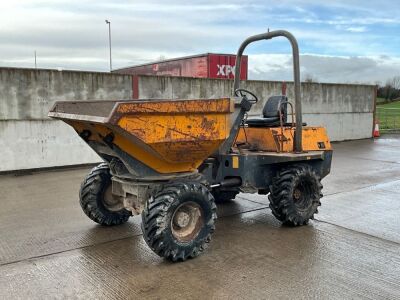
357	29
321	68
72	34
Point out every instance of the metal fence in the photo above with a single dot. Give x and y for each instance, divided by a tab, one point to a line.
389	119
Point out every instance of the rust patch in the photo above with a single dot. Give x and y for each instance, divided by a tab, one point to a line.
207	124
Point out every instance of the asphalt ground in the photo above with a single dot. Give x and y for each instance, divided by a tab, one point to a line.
50	249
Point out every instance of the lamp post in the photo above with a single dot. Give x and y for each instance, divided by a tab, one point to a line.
109	41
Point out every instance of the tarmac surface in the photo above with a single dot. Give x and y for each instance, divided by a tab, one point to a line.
50	249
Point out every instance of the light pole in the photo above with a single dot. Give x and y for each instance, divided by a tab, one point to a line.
109	41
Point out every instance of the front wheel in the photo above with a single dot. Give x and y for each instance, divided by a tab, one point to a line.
97	200
295	195
178	220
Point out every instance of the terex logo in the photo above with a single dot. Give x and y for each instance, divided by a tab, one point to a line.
225	70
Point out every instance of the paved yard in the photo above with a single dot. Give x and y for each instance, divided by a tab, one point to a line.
50	249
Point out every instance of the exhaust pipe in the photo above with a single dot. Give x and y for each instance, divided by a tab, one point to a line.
229	182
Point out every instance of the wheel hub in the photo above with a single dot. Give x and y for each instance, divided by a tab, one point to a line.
187	221
112	202
297	194
182	219
302	195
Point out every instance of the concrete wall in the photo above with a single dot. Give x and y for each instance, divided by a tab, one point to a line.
345	110
29	139
27	144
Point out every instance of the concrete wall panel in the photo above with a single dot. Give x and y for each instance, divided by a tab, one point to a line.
33	144
343	126
27	94
28	139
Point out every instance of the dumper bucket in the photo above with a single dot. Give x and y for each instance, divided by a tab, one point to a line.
151	136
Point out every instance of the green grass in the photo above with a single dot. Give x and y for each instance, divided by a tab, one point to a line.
389	116
390	105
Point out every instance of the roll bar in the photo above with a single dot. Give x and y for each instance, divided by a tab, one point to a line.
296	74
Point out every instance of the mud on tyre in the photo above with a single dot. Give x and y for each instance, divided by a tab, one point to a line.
178	220
295	195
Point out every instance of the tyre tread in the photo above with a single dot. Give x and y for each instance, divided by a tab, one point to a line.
90	198
154	218
280	198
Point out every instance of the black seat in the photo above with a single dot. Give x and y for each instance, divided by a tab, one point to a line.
271	113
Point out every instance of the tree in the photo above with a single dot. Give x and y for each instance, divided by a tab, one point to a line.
391	90
395	82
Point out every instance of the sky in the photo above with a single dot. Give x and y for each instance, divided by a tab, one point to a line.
340	41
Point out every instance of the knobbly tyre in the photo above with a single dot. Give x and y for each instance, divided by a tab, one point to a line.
171	160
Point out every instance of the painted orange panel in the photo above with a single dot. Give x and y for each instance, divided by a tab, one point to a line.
272	139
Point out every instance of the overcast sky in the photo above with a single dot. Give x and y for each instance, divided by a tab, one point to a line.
340	41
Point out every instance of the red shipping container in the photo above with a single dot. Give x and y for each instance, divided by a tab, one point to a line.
207	65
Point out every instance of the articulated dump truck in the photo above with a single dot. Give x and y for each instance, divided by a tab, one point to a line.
172	160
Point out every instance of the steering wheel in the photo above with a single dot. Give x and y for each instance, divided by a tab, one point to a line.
243	92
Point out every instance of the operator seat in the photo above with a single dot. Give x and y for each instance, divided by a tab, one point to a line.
272	107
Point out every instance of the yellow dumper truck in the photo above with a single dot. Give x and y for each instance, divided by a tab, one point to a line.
171	160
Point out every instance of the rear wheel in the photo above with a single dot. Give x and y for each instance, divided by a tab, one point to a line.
97	200
178	220
295	195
